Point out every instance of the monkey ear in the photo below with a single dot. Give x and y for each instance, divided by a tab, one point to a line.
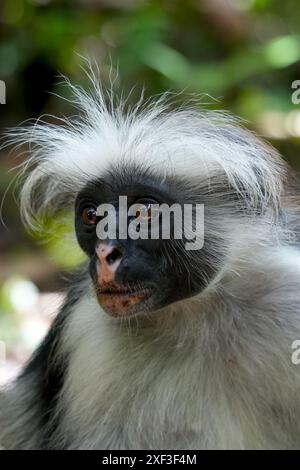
42	195
45	187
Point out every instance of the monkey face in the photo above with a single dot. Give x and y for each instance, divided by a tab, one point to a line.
135	275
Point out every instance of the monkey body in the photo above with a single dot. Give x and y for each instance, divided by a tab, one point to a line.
204	378
157	347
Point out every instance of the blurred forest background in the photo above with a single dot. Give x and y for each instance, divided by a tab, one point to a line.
243	53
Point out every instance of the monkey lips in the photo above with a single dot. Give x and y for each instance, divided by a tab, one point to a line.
121	301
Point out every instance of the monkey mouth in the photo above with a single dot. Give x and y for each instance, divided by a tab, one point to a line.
122	301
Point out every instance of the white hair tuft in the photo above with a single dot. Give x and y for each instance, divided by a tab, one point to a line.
188	141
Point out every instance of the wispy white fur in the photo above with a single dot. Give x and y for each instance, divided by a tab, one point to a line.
188	141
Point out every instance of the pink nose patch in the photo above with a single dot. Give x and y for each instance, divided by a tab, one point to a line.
108	264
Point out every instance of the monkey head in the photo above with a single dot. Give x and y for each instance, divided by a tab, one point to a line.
141	275
152	155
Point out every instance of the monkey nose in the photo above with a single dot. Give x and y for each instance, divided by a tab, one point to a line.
109	257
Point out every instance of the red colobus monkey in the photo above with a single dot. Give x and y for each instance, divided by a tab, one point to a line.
156	346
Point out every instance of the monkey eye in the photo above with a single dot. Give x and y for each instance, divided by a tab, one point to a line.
89	215
148	210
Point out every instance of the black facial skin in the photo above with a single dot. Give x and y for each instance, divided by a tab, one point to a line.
163	267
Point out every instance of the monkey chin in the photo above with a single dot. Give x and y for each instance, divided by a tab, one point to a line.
122	305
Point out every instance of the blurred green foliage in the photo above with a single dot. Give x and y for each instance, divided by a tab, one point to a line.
243	52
